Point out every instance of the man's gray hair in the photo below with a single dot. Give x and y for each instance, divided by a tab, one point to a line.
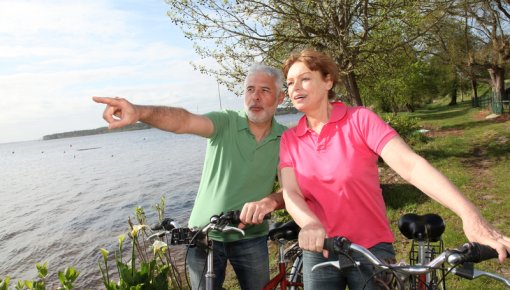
276	74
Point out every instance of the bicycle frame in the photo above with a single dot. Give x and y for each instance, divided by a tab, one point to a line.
281	233
422	254
281	277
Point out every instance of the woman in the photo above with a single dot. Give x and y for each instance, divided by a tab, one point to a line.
330	180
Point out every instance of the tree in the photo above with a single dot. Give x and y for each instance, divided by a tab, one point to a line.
236	33
450	43
491	26
401	82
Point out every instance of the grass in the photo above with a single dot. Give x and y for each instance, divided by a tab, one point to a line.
475	154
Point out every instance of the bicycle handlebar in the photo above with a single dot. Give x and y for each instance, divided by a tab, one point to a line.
179	236
469	252
465	254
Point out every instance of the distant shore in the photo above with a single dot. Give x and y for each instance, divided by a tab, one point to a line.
137	126
101	130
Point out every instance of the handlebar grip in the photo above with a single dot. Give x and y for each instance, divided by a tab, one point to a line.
167	224
475	253
482	252
235	216
329	245
337	245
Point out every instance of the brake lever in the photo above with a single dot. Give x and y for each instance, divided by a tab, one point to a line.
158	235
470	273
335	264
227	228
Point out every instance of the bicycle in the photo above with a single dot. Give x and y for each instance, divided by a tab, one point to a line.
427	267
176	235
286	277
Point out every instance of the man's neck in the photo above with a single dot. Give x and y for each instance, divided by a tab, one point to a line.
260	131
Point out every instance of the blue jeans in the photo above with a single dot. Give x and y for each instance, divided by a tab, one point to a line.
357	278
249	258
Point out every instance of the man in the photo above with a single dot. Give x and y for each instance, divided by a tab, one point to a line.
239	171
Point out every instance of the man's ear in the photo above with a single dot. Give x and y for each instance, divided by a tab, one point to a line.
281	97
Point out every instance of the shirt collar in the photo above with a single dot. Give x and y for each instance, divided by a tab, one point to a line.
337	113
242	124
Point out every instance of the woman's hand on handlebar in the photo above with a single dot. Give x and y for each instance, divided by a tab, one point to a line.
311	238
480	231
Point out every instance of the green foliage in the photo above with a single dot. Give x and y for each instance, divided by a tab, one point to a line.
144	270
406	126
4	283
400	82
280	215
237	33
66	279
140	215
160	208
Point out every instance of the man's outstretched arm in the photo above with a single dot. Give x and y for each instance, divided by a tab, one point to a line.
119	113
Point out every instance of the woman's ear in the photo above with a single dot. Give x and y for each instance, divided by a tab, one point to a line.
329	82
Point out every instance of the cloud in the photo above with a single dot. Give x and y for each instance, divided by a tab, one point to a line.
55	55
29	18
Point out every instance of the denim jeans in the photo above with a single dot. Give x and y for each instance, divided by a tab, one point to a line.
249	258
357	278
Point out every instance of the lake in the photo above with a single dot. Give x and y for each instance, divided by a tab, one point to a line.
62	200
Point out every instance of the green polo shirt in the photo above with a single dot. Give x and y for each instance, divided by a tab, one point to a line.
236	170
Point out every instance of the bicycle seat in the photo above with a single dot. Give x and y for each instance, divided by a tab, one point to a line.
287	231
427	227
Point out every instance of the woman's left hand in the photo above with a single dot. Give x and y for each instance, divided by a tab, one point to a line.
479	230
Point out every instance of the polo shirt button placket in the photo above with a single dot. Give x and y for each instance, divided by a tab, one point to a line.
320	146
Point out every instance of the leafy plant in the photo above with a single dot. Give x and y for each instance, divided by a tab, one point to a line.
67	277
146	269
406	126
160	208
4	283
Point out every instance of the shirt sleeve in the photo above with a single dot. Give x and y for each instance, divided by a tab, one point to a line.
375	131
219	120
285	159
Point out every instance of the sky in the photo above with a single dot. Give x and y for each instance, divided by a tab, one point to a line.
56	54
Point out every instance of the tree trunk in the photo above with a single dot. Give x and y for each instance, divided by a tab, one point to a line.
497	74
454	87
351	85
497	79
453	96
474	88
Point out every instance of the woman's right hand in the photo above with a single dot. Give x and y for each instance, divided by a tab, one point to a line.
311	237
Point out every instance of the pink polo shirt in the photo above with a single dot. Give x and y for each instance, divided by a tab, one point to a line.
338	174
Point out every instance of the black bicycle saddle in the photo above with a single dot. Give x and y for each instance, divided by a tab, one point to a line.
288	231
427	227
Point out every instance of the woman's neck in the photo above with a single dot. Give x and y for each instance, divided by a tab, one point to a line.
318	117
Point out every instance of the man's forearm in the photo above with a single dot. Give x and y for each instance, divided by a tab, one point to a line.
176	120
276	199
165	118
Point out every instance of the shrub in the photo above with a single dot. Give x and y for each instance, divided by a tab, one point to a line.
406	126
